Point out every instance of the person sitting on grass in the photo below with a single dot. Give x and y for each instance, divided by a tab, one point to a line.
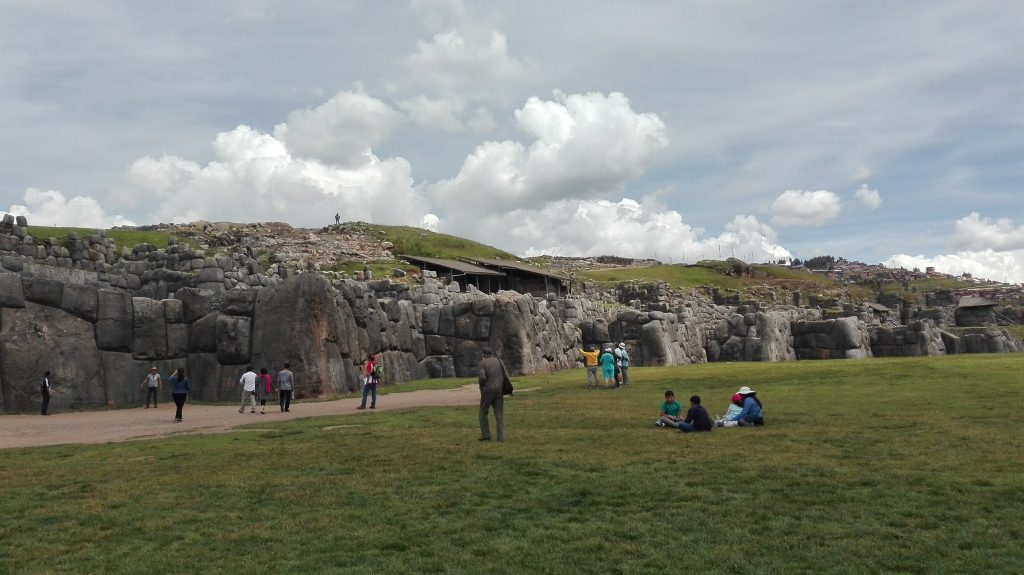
697	418
670	410
751	413
732	414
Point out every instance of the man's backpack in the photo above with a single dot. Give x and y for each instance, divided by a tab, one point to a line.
378	371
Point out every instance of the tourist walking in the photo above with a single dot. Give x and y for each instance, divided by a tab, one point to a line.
622	362
370	375
152	385
285	385
590	361
248	381
180	388
492	377
264	389
46	390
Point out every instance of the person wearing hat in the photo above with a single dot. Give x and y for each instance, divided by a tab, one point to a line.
751	413
152	385
622	362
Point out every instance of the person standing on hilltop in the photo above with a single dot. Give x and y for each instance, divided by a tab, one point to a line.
337	218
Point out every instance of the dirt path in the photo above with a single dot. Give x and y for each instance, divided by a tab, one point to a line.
139	423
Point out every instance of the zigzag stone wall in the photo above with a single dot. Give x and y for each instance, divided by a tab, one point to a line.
99	326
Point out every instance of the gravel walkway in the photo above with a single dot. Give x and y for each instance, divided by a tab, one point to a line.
139	423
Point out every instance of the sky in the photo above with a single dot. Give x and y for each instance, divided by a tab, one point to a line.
883	132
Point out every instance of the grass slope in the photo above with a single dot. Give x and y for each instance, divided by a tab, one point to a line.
122	237
880	466
704	274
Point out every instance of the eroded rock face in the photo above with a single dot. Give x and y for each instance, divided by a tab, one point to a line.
38	338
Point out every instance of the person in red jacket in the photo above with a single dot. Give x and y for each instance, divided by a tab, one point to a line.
264	388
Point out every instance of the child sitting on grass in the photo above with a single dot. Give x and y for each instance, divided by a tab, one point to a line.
670	410
732	415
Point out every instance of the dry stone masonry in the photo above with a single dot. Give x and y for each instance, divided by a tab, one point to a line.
99	317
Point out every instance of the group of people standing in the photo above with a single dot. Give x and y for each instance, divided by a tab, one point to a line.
614	364
744	410
261	388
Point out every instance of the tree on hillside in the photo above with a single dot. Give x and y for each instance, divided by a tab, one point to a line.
820	263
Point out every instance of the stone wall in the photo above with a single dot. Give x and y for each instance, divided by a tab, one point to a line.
99	326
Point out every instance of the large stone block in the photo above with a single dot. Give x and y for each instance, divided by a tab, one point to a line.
39	338
203	334
177	340
240	302
234	339
149	339
174	310
114	323
81	301
43	291
195	303
11	292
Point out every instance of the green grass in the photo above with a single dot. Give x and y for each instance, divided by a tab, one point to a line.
122	237
877	466
707	273
421	242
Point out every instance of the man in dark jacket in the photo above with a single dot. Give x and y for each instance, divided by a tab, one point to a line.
492	381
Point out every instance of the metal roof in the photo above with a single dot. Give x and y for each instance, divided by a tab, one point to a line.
878	307
519	266
456	265
974	301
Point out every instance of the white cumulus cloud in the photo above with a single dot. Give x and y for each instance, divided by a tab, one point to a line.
52	208
1004	266
974	232
255	177
456	60
870	198
342	130
628	228
585	146
795	208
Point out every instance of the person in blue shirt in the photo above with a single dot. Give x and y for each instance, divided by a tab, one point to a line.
608	368
670	411
751	414
180	387
697	418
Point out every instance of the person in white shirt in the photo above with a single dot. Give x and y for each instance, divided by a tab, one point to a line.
248	381
152	385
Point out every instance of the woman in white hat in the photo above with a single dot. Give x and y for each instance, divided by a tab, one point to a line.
751	414
622	362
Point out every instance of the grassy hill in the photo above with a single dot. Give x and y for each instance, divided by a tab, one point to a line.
876	466
707	273
122	237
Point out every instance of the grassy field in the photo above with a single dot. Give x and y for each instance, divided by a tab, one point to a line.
877	466
420	242
708	273
123	238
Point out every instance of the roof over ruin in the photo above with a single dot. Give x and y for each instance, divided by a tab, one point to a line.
878	307
456	265
975	301
518	266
